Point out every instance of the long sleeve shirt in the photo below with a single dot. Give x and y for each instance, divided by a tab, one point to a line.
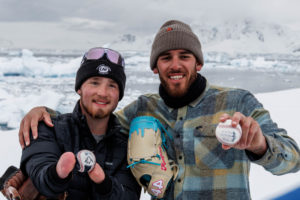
206	171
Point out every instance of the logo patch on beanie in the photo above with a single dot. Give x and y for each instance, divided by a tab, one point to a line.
169	29
103	69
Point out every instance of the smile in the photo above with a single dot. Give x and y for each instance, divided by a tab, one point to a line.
100	102
177	77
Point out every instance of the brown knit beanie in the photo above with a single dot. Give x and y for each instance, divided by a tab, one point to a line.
175	35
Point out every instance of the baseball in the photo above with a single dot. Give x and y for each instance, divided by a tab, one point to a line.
86	160
228	135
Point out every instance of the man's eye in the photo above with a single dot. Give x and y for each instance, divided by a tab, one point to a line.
165	58
112	86
185	56
94	83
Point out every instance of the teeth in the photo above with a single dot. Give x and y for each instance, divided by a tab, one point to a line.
100	103
176	77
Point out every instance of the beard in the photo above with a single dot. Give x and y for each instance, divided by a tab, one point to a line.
177	90
99	114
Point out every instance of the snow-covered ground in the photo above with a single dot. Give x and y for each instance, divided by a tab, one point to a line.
27	80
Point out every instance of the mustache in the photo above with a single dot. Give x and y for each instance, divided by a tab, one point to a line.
100	98
172	71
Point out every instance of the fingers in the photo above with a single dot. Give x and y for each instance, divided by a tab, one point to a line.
47	119
256	142
224	117
16	180
65	164
249	128
26	130
226	147
238	118
30	121
21	138
40	114
245	125
12	193
34	128
253	130
97	174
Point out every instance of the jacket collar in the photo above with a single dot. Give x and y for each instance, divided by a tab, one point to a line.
196	101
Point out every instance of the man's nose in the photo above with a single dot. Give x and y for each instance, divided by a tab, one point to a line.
175	64
102	90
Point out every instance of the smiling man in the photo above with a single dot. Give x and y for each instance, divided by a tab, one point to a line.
190	109
50	161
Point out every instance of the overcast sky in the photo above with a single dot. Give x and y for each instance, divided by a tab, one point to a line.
80	24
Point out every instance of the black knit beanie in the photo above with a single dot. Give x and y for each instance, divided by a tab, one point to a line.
175	34
101	67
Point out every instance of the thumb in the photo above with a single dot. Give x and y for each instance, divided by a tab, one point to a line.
97	174
65	164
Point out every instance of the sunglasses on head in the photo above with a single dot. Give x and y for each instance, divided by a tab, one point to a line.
98	52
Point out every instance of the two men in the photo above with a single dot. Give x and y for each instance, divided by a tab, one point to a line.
50	161
190	109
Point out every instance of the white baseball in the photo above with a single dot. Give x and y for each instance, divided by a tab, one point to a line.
228	135
86	160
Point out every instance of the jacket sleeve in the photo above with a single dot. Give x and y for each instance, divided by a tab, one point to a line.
39	161
283	154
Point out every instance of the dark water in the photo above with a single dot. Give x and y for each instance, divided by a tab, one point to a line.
254	81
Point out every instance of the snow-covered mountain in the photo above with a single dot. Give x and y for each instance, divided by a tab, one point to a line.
234	35
230	36
248	36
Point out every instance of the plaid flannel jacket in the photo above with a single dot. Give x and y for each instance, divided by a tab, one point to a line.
206	170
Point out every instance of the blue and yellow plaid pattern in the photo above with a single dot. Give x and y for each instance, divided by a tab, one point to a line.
206	170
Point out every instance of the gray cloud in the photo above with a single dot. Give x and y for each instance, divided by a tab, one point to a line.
143	13
92	19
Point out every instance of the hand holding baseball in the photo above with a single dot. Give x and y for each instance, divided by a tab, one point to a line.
86	162
252	138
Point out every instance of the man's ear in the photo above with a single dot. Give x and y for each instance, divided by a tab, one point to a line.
198	66
155	70
79	92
